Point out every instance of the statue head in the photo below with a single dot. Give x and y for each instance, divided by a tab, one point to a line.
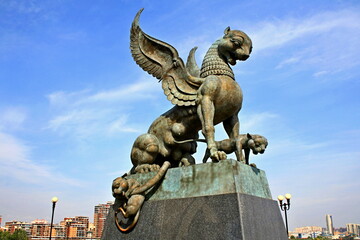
120	186
235	45
257	143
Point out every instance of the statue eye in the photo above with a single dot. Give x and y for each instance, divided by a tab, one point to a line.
236	42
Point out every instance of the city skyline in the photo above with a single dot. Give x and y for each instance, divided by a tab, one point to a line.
72	100
77	227
101	210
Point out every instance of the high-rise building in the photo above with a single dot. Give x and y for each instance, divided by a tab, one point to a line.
353	228
100	214
329	224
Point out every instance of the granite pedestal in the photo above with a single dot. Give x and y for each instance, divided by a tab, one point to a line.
225	200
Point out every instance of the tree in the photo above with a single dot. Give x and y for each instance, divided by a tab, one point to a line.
17	235
5	235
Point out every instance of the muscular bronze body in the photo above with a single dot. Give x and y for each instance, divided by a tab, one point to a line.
203	98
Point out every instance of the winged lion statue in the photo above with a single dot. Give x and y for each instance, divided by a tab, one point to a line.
203	97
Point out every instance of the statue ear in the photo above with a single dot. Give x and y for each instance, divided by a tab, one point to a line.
249	136
226	31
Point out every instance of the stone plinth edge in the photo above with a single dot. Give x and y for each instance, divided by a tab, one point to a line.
227	176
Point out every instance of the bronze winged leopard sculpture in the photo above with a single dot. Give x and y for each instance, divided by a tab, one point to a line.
202	97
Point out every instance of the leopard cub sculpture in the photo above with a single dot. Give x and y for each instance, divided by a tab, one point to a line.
246	142
202	97
131	194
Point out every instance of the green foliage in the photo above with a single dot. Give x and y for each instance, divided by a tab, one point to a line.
5	235
17	235
322	238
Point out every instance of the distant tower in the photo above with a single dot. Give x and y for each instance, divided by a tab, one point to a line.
100	214
329	224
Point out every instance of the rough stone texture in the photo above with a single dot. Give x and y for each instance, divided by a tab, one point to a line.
227	205
227	216
227	176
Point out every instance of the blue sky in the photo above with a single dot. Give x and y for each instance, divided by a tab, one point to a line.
72	100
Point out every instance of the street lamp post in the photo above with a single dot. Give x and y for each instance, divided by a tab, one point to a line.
285	207
53	200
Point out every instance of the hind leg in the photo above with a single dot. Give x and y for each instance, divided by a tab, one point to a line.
144	152
133	205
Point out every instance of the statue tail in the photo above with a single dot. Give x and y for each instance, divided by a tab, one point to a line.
130	226
159	175
190	140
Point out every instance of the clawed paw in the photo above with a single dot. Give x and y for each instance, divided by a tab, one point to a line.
184	162
217	155
144	168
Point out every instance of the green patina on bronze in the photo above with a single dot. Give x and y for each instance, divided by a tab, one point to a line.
208	179
203	98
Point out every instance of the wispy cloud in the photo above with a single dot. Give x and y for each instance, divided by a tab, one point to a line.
253	122
282	31
12	118
326	43
288	61
320	73
84	113
21	7
120	125
135	91
16	164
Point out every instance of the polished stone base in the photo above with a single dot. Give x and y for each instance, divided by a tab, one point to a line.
218	215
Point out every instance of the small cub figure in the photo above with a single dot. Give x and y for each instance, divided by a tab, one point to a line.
256	143
132	194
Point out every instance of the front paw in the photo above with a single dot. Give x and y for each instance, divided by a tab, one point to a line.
144	168
217	155
253	165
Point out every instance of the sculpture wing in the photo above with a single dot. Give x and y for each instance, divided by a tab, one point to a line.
163	62
191	64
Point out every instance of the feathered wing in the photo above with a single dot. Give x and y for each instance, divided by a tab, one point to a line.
163	62
191	64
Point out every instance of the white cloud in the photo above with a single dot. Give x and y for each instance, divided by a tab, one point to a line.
16	164
75	117
119	125
254	122
288	61
131	92
321	73
87	113
26	7
61	98
327	43
283	31
12	118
